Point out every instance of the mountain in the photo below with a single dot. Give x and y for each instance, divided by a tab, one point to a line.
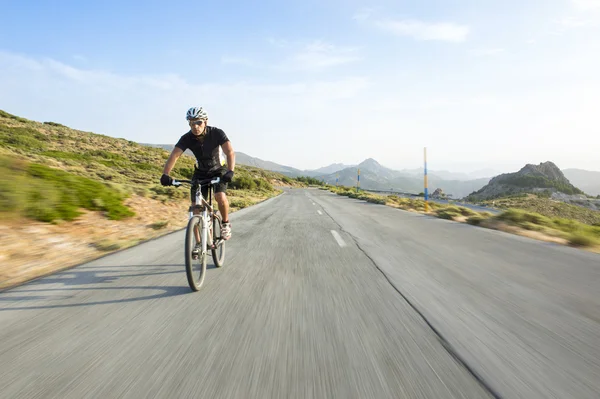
486	173
531	178
374	176
588	181
244	159
334	167
447	175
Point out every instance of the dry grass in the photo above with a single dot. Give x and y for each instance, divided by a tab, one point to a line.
516	221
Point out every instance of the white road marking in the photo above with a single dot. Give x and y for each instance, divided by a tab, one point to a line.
319	212
338	238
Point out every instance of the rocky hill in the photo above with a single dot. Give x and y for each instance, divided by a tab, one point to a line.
545	177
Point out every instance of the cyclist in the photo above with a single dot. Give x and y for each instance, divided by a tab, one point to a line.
210	145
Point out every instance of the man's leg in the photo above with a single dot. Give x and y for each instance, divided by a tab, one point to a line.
193	190
223	205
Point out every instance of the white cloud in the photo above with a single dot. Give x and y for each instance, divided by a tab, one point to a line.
150	108
417	29
547	105
442	31
313	56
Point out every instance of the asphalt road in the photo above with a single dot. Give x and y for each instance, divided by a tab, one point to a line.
321	296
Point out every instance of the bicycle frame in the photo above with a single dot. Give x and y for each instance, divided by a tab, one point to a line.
206	207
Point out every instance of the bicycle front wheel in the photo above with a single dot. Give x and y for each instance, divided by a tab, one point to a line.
218	248
195	266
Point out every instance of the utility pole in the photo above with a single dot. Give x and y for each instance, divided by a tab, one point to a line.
425	181
358	181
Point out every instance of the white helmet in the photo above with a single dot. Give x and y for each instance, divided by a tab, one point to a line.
196	113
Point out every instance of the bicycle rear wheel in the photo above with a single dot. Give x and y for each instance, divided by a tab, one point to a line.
195	269
218	250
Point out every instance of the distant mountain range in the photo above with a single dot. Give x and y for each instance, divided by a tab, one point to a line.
374	176
588	181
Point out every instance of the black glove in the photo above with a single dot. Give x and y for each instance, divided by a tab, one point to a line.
166	180
228	177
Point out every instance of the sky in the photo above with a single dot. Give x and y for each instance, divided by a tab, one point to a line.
480	83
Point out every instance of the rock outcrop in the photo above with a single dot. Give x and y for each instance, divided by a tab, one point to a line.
543	178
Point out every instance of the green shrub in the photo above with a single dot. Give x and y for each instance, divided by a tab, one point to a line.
239	202
263	184
54	124
11	116
476	219
146	166
46	194
243	182
519	217
66	155
580	239
310	180
159	225
376	200
23	138
466	211
106	155
449	212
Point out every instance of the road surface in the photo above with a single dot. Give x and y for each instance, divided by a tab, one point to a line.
321	296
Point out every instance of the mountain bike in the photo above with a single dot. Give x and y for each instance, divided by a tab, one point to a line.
203	233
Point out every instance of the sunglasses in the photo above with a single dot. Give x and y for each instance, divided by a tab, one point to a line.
200	122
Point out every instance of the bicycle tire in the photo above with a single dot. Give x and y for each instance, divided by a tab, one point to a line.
218	259
190	240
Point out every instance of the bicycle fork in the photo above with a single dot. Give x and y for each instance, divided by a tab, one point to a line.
204	232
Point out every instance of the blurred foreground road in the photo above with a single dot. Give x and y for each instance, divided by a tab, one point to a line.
315	301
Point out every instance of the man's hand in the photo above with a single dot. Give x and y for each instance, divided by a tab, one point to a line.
228	177
166	180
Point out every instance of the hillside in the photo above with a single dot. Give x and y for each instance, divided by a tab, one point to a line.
547	207
481	174
245	159
545	177
91	193
329	169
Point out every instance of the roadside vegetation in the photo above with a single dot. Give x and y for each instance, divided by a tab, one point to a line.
567	223
50	172
544	205
79	195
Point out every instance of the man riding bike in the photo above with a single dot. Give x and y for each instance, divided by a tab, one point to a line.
208	144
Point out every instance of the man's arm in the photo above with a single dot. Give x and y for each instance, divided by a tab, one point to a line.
228	150
175	154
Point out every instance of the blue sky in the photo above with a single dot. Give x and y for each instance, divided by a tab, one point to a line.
314	82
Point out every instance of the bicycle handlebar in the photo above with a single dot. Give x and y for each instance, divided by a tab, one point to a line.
178	182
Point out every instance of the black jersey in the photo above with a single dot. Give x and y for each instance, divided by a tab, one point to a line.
206	148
